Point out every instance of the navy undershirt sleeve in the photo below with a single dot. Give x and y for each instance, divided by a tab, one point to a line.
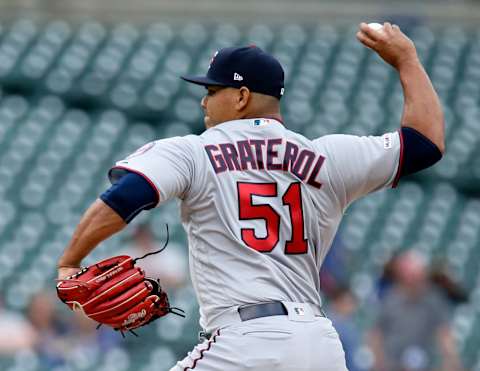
419	152
129	195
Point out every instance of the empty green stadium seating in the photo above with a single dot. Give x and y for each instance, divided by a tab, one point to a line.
77	98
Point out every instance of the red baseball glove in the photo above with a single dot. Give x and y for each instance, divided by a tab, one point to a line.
116	293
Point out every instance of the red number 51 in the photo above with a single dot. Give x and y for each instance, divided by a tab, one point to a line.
298	244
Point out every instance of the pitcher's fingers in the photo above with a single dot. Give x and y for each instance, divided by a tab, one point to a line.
370	32
387	27
365	40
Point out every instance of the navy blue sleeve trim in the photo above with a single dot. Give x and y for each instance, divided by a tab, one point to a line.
129	195
419	152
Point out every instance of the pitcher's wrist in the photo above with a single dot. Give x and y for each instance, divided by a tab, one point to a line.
408	62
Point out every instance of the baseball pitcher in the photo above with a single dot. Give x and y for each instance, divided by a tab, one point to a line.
261	205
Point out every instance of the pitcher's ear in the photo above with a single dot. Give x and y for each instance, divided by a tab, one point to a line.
243	98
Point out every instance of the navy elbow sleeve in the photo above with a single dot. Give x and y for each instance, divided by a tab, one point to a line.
129	195
419	152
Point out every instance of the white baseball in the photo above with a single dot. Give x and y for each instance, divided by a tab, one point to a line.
376	26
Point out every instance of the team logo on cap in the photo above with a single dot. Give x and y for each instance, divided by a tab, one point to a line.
237	77
212	59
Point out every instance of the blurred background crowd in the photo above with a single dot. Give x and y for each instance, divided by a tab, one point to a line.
83	84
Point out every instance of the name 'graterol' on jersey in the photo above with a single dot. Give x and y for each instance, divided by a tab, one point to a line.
263	154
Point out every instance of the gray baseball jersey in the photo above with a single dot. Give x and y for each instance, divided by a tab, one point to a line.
261	205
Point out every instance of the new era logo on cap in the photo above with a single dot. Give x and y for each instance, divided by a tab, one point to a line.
237	77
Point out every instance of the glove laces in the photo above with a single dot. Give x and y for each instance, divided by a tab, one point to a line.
157	251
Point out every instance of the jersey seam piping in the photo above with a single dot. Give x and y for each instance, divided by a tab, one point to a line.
204	350
400	161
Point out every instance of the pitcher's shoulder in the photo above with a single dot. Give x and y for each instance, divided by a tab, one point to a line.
196	142
339	142
189	141
333	138
182	147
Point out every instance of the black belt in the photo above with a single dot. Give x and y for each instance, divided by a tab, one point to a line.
274	308
253	311
248	312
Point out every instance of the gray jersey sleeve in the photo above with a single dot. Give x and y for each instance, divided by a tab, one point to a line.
167	164
360	165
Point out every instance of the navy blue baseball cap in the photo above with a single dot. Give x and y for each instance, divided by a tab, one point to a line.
246	66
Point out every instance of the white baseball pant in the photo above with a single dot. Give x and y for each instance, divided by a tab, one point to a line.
280	343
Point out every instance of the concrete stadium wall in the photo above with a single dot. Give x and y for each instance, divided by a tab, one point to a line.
433	12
